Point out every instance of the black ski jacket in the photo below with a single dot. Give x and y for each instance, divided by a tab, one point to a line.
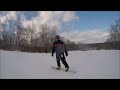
59	47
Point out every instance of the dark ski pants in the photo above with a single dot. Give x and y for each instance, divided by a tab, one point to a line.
62	58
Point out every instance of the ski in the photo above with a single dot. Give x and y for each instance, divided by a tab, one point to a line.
63	69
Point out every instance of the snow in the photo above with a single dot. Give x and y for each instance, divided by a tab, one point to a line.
101	64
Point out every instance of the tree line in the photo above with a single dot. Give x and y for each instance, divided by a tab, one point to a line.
13	36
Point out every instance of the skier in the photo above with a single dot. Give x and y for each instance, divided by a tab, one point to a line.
60	49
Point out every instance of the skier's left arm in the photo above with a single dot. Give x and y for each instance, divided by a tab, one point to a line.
66	51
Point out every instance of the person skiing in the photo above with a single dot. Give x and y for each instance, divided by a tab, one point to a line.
59	48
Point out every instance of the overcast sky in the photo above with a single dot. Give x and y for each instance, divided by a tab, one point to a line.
83	26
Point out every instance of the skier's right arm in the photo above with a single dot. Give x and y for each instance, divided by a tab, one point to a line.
53	49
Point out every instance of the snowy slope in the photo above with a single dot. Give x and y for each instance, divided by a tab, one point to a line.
95	64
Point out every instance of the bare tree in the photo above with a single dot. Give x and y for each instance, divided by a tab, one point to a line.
4	35
8	33
46	35
114	35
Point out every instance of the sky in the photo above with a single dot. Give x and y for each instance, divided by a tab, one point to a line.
77	26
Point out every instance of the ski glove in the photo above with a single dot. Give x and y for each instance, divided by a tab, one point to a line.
52	55
66	54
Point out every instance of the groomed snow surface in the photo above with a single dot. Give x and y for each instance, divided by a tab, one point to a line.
95	64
